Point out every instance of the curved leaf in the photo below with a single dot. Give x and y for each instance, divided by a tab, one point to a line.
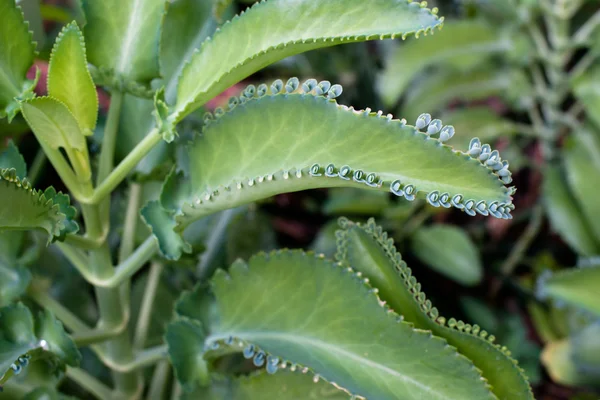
25	208
17	52
276	29
23	340
292	142
369	250
122	38
575	286
449	251
262	386
582	162
338	328
463	45
69	80
565	216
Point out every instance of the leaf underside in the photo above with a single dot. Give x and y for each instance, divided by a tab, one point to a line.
367	249
351	340
275	29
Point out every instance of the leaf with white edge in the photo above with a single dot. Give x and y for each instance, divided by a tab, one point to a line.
276	29
333	146
12	158
450	251
564	214
69	80
25	208
463	45
17	52
370	251
355	343
23	340
122	38
439	89
186	25
582	161
575	286
284	385
481	122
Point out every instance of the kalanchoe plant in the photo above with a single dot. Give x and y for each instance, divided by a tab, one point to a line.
156	181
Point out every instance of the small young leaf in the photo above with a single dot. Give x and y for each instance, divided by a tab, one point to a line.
449	251
122	38
370	251
69	80
16	57
23	340
564	214
463	46
11	158
359	350
582	161
575	286
278	29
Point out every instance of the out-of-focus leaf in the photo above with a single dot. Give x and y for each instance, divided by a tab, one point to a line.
564	213
582	161
349	201
477	310
575	286
249	233
14	276
462	45
587	90
586	349
325	242
11	158
449	250
16	56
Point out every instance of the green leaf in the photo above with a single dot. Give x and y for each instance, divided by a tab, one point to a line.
122	38
586	349
17	52
355	343
355	201
564	214
463	45
69	80
11	158
582	161
333	146
22	340
274	30
368	249
186	25
450	251
14	276
575	286
186	346
587	91
440	89
262	386
25	208
247	234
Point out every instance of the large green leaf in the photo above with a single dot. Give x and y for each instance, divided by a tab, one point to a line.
275	29
582	161
122	38
576	286
368	249
186	25
25	208
295	141
450	251
565	215
291	307
22	340
16	56
462	45
284	385
69	80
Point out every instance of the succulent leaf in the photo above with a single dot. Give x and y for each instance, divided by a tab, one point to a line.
122	38
12	158
369	250
69	80
14	276
346	352
575	286
17	52
463	46
276	33
23	339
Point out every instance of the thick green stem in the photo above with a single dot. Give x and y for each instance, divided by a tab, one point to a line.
109	140
90	383
37	166
143	322
159	380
